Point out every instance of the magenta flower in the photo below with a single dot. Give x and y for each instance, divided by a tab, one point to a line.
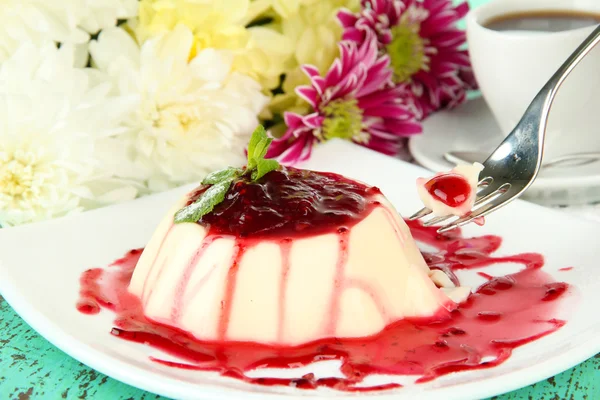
356	100
424	46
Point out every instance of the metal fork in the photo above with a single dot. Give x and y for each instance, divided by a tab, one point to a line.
515	163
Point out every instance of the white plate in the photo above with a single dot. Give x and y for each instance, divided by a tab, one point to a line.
472	127
40	265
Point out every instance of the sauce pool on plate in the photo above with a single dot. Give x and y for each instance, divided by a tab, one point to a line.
503	313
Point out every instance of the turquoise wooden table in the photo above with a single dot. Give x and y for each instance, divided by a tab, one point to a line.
32	368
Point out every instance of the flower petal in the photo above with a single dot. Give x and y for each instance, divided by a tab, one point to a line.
309	94
316	80
293	147
354	35
293	120
346	18
112	42
377	77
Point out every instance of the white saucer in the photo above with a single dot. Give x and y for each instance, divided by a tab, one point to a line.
472	127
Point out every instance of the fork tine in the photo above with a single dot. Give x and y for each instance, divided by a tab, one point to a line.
464	220
479	212
499	191
486	186
484	182
420	214
437	220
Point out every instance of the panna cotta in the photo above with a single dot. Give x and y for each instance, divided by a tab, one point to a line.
450	193
292	257
268	267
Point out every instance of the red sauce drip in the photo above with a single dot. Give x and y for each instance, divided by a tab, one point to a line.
230	289
451	189
286	247
334	303
566	269
185	278
486	276
504	313
289	203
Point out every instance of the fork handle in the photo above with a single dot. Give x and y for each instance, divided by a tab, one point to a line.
531	129
560	75
543	100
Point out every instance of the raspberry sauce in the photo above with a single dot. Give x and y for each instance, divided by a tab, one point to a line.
289	203
503	313
451	189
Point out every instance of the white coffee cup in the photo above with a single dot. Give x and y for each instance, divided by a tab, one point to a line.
512	66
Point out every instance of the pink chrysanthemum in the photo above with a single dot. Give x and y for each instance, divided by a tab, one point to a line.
356	100
424	46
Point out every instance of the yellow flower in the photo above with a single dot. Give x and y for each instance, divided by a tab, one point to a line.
259	52
284	8
314	33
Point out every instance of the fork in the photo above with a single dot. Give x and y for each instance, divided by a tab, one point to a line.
516	162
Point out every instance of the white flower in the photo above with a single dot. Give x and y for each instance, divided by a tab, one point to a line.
61	21
38	21
100	14
192	116
53	116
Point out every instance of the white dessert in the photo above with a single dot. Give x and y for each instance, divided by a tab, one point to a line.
292	291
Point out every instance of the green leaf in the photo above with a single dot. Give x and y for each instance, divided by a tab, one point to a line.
218	176
261	148
251	166
258	135
257	150
221	180
264	167
205	204
258	147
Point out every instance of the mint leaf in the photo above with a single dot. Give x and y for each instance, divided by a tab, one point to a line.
257	136
261	148
257	167
257	150
251	166
205	204
218	176
263	167
258	147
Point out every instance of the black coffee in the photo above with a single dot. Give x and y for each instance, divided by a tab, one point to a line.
543	21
